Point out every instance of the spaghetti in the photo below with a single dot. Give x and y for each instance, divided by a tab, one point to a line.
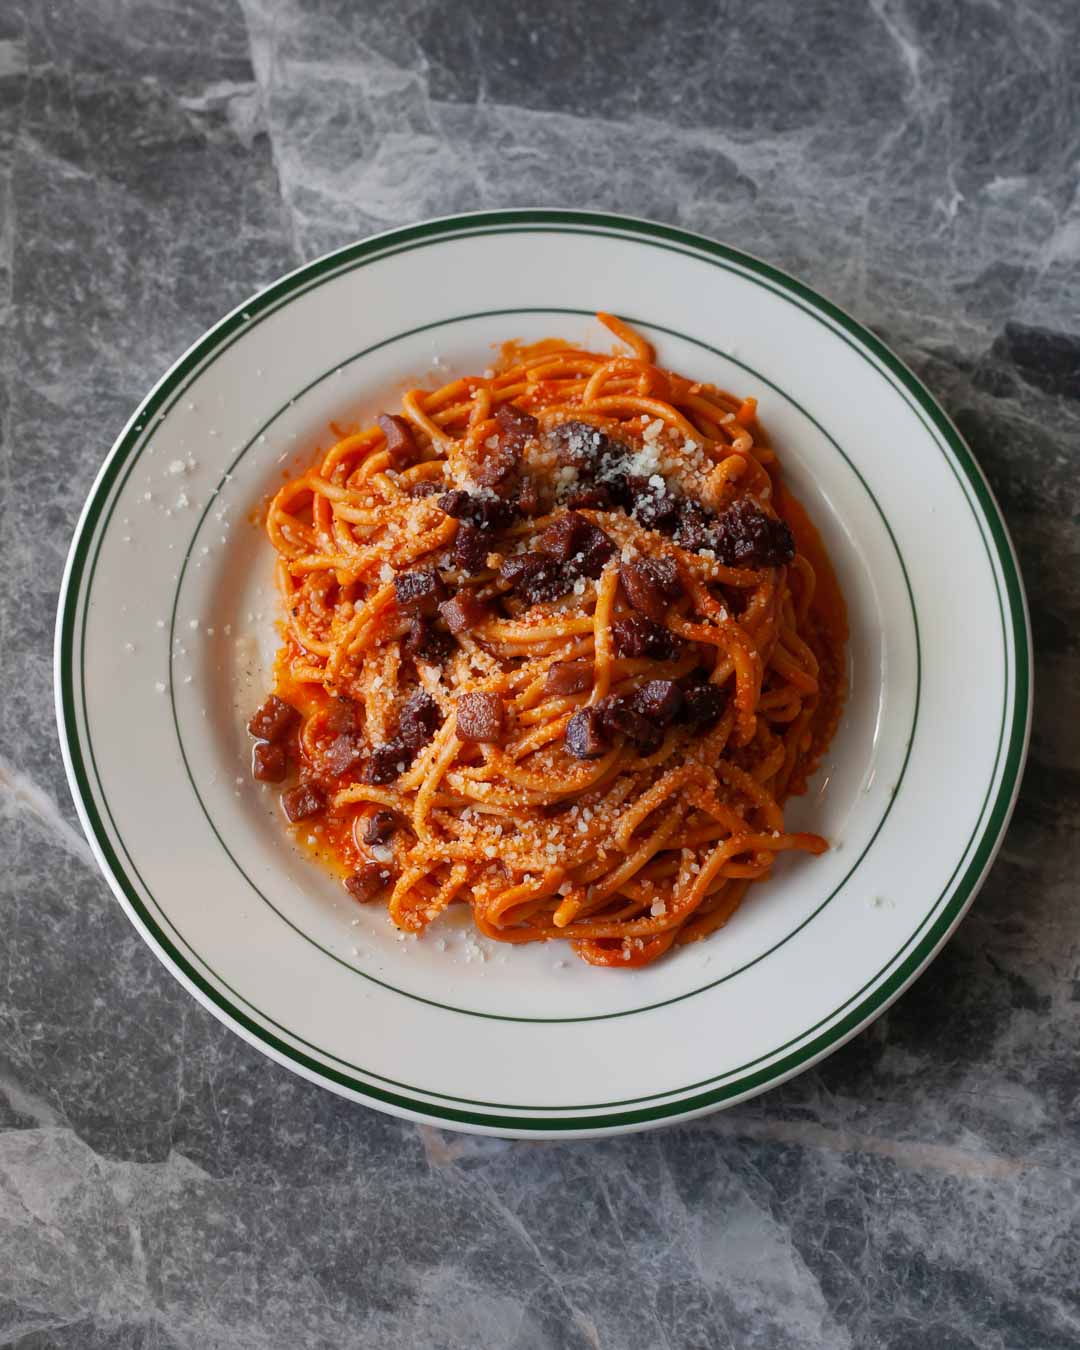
557	645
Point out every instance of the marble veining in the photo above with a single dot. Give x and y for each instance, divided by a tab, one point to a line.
163	1185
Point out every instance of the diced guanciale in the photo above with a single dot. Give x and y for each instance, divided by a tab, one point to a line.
747	537
421	639
302	802
569	677
618	489
457	503
488	513
575	542
423	487
500	456
386	762
636	636
368	880
693	527
578	444
268	762
464	611
519	567
659	700
274	720
343	753
495	465
595	552
480	717
597	497
619	715
743	535
585	737
650	585
420	718
471	548
570	547
654	507
702	705
535	577
516	426
400	442
666	574
379	826
419	592
640	716
568	535
343	714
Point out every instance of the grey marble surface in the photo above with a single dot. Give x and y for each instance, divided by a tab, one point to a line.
163	1185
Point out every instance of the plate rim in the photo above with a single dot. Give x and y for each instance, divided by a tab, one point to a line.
981	850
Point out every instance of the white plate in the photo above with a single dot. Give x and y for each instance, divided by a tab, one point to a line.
165	630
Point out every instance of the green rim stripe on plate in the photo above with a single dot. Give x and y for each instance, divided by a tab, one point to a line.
214	343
